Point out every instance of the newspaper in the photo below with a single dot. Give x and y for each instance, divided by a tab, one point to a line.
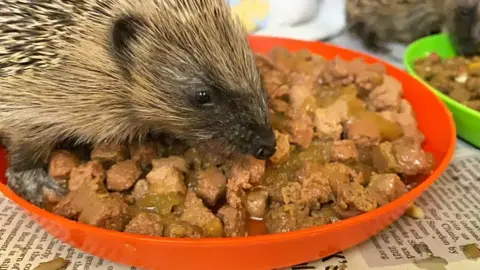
452	221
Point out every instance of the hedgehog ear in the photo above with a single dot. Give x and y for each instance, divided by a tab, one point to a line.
123	33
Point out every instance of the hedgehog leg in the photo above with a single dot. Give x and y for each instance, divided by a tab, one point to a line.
28	179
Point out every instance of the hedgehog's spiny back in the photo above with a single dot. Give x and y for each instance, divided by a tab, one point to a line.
34	34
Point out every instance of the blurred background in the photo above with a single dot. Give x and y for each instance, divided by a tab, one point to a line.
313	20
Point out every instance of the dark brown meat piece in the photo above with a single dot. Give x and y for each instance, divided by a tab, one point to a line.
182	229
145	223
197	214
344	151
210	185
352	200
144	154
283	148
92	205
197	159
91	171
385	188
109	154
234	221
256	203
363	132
123	175
61	164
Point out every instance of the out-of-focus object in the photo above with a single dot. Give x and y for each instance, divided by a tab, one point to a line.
378	22
463	25
252	13
302	19
466	119
264	251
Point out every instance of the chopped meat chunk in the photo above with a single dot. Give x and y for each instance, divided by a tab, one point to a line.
411	158
210	185
336	73
123	175
369	80
313	190
385	188
145	223
384	159
386	96
246	171
140	189
256	204
406	118
352	200
93	206
176	161
301	87
315	186
144	154
61	164
328	121
300	128
283	148
338	174
91	171
344	151
363	132
109	154
292	193
166	179
285	218
402	156
182	229
197	214
234	221
201	160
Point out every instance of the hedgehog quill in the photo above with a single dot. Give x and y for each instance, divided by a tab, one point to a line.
112	71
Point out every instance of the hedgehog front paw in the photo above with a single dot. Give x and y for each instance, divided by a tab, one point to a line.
32	185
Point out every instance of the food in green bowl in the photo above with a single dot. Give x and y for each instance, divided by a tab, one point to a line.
444	77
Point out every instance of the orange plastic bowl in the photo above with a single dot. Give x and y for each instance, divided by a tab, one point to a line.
263	251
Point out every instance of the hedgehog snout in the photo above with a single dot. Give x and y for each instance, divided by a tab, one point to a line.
263	144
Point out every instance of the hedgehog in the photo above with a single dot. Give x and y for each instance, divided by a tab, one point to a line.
377	22
463	25
114	71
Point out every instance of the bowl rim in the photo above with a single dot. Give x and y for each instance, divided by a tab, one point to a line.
410	69
259	239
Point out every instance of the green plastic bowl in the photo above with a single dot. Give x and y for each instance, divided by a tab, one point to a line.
466	119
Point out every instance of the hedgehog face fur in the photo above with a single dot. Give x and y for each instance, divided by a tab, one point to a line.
463	25
203	87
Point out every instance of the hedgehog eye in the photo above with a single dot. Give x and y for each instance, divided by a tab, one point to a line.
203	97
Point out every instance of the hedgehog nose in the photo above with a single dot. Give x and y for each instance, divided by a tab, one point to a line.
265	145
